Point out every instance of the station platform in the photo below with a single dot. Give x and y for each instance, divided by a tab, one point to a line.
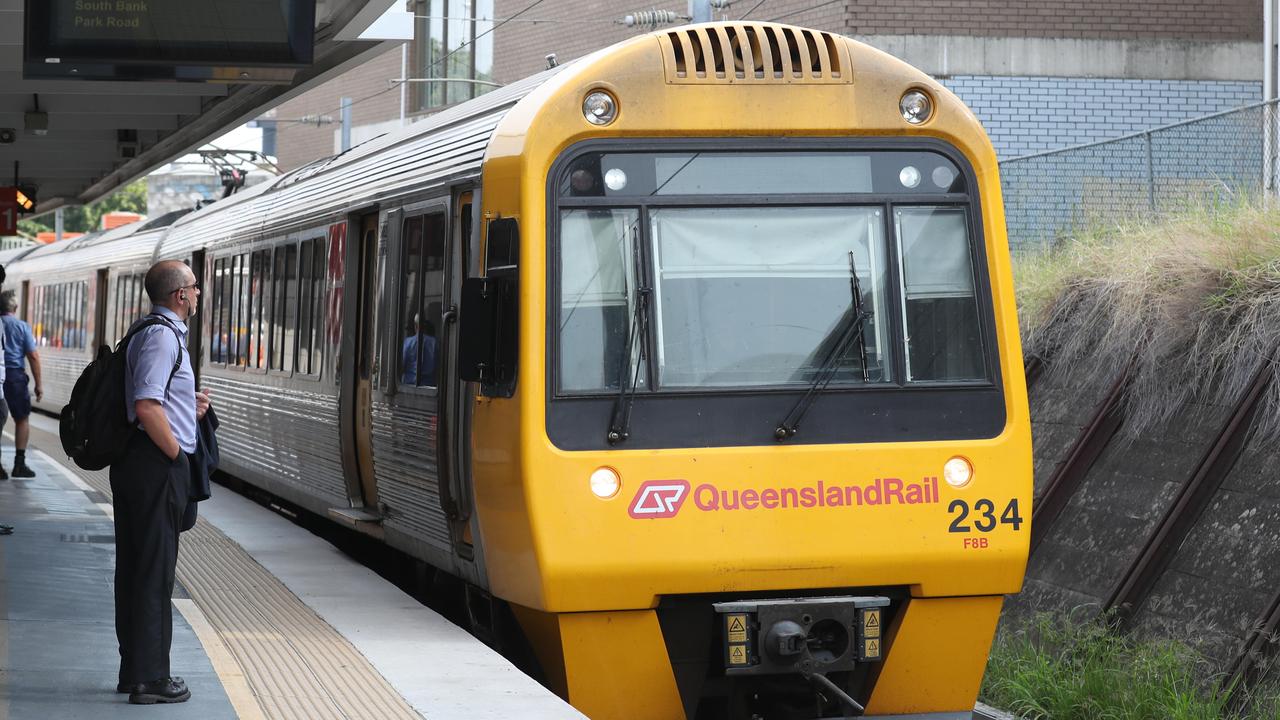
271	621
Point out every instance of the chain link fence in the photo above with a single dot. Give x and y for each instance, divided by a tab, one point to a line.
1196	163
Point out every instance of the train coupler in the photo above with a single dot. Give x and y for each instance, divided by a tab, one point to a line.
810	636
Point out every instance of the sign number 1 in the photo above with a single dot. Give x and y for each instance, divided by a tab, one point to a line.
8	220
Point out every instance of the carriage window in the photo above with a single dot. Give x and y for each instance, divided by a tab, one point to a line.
944	342
217	342
421	298
259	308
284	318
311	285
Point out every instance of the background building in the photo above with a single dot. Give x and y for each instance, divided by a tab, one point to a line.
1040	74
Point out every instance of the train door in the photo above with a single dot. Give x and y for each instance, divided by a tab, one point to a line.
455	398
355	373
100	296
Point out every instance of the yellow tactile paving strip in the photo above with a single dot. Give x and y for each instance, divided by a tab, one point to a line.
296	664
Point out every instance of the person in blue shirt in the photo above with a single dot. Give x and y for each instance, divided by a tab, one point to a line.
150	485
19	348
420	343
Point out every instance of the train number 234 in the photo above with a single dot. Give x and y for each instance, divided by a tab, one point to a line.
983	515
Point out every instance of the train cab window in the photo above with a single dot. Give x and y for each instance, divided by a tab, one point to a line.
421	299
944	342
764	296
598	266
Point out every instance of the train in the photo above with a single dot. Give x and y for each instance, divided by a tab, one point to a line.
697	356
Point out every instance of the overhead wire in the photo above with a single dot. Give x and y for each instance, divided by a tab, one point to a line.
433	65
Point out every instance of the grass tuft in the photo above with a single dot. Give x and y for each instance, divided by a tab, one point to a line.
1059	667
1194	302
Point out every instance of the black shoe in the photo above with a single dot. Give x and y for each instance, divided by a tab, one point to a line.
20	470
129	688
3	475
164	690
6	529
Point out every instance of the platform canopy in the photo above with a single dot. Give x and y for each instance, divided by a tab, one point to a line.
77	140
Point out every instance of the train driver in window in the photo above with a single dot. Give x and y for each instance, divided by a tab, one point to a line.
418	354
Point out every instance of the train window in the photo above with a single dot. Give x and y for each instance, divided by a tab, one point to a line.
259	307
311	284
240	310
944	342
217	342
764	296
597	275
285	314
422	298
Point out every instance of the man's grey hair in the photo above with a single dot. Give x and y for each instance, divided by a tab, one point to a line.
163	278
8	301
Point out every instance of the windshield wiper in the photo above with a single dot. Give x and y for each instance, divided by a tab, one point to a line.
629	367
853	324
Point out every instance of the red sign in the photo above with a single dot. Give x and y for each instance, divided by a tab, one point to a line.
659	499
9	209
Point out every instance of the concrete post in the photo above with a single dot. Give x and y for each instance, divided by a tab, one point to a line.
346	124
57	225
1151	175
700	10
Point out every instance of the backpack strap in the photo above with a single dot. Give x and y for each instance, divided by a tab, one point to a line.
147	322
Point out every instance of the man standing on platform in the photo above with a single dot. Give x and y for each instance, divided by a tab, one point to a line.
19	348
150	485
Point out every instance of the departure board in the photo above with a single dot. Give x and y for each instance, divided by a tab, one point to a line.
120	38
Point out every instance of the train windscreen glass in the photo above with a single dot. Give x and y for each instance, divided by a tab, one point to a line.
764	292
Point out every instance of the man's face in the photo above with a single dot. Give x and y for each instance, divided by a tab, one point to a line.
192	293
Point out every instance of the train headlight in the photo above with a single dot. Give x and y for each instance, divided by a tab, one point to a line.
605	483
599	108
916	107
615	179
958	472
909	177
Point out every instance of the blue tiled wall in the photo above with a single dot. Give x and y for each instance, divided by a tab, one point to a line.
1032	114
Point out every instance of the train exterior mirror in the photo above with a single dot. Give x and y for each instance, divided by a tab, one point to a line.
489	316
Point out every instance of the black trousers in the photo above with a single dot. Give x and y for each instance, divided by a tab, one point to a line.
149	494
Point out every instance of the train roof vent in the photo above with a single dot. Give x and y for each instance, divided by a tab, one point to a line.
753	53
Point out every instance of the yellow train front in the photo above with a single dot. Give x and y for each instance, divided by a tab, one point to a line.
751	434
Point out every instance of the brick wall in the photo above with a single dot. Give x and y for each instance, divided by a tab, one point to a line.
1104	19
298	144
573	29
1031	114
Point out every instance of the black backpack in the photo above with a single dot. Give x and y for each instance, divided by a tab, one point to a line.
94	427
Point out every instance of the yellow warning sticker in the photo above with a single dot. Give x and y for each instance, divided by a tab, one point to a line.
871	648
871	623
737	628
737	654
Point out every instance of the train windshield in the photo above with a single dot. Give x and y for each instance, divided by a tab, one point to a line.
693	295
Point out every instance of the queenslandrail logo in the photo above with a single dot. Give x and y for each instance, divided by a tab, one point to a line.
664	498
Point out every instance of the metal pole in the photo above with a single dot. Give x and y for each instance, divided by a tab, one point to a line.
346	124
1269	91
57	225
1151	175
